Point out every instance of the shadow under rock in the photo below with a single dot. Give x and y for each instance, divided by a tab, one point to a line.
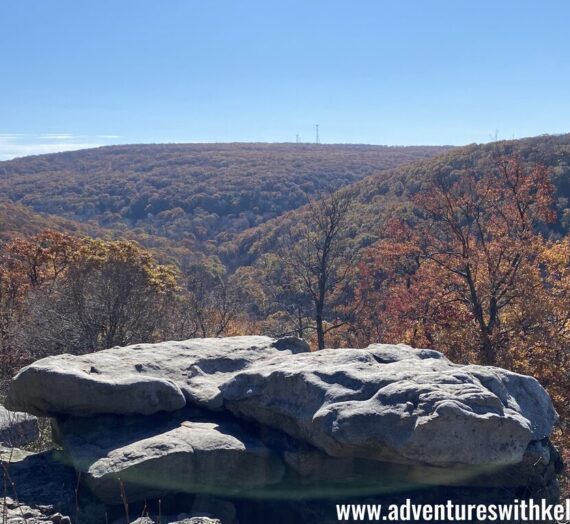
45	479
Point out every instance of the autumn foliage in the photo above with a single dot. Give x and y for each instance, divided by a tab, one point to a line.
470	274
60	293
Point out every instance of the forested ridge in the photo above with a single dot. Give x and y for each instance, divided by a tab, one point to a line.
378	197
235	200
198	195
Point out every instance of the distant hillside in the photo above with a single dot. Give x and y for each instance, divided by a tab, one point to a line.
17	220
199	195
383	194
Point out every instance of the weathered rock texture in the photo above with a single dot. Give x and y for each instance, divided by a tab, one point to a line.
162	454
395	404
14	512
17	429
39	487
141	379
258	417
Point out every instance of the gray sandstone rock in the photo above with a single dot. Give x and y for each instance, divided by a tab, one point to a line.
255	416
395	404
197	520
17	429
182	519
13	512
212	507
168	453
140	379
43	486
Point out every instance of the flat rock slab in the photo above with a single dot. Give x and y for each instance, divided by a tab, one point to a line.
141	379
17	429
387	403
395	404
167	453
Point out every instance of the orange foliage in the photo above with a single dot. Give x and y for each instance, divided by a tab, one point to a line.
64	293
474	278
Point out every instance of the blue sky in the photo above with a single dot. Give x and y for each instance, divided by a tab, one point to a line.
78	74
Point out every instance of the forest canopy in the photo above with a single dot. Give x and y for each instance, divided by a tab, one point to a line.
196	195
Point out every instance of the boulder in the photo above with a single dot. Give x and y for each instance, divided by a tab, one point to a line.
395	404
265	422
17	429
138	457
141	379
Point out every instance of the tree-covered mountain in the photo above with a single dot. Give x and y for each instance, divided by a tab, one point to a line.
198	195
236	200
383	194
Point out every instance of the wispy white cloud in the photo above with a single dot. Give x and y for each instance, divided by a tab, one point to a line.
11	135
13	145
8	152
57	136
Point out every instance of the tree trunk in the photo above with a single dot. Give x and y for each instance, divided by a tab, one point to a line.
300	328
320	331
487	351
319	307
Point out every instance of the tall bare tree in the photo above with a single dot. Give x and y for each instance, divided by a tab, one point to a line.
210	305
319	254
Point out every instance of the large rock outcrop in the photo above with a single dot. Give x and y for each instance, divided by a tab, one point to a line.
141	379
258	417
395	404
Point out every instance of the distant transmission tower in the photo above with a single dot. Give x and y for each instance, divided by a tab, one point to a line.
317	140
